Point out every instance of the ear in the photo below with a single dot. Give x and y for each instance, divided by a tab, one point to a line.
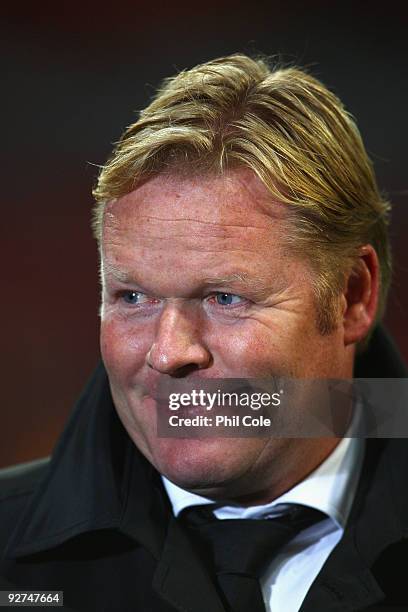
361	296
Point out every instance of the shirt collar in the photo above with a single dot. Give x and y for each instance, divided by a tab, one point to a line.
330	488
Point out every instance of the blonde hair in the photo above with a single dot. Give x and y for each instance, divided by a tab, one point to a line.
292	132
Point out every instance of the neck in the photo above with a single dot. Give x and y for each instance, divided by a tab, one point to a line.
306	455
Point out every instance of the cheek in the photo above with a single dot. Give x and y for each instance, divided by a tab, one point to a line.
259	348
123	348
249	350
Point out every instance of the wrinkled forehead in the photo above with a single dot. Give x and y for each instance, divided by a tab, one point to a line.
203	204
176	233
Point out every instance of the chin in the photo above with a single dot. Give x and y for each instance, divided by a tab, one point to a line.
198	464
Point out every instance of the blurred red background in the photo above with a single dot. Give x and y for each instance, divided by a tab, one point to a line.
72	78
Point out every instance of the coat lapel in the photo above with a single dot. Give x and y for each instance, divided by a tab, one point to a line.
345	583
378	519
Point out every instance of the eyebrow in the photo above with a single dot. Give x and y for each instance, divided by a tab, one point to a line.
243	281
117	273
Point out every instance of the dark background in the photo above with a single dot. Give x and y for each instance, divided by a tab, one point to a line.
72	77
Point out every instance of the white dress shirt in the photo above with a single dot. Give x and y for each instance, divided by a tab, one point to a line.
330	488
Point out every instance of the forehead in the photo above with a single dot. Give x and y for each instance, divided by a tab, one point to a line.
206	205
174	233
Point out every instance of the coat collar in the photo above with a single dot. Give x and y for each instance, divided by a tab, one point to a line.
92	470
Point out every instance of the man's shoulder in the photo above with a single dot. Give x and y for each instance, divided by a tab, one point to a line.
17	485
22	477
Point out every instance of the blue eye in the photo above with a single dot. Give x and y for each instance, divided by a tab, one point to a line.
227	299
132	297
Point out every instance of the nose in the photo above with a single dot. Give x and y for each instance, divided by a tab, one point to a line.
178	346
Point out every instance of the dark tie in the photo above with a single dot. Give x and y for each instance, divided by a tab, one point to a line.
236	551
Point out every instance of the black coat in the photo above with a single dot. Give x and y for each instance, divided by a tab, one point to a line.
95	522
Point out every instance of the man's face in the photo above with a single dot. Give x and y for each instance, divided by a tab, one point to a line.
196	283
